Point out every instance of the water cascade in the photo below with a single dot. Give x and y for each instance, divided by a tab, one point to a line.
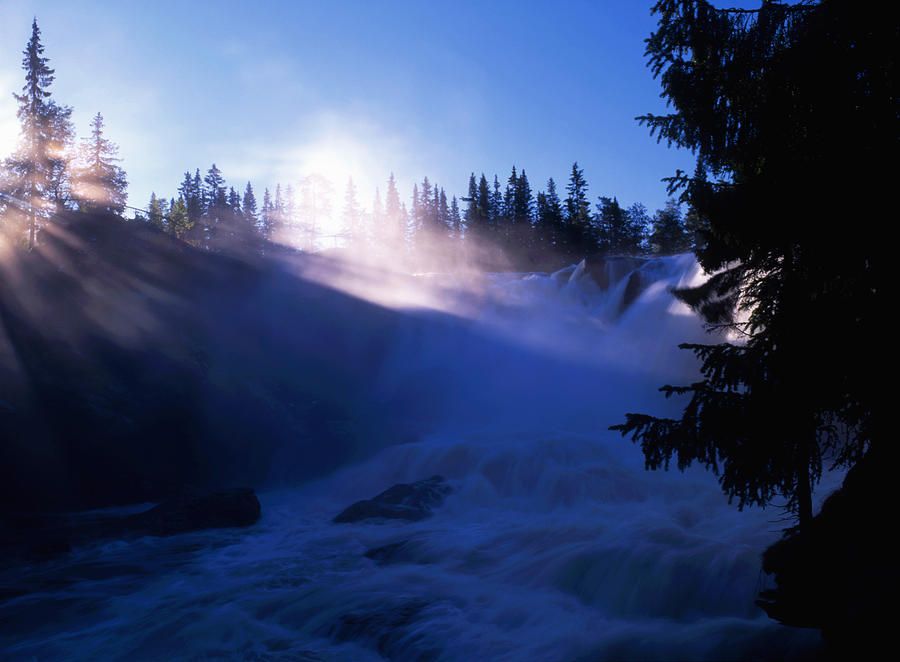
554	545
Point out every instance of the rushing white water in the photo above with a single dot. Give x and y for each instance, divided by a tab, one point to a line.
556	544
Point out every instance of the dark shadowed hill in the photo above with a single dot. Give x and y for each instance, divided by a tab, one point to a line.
132	365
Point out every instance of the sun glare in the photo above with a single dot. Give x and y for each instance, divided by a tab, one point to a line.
338	158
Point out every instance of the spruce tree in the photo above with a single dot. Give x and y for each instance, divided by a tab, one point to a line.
486	203
316	207
191	194
266	216
616	233
216	197
496	220
100	183
248	207
179	222
669	234
395	215
638	226
784	106
351	217
157	212
580	238
550	221
38	174
457	228
234	202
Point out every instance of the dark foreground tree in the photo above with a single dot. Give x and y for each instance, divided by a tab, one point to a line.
792	112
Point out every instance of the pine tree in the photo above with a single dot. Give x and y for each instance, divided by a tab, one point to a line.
215	190
316	205
38	170
455	220
550	221
523	210
443	214
669	234
580	239
506	216
234	202
191	195
179	222
277	230
100	184
616	232
638	226
267	216
197	185
351	217
395	215
495	209
157	212
248	207
486	204
416	220
476	211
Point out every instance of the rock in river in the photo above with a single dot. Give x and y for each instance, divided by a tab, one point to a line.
409	501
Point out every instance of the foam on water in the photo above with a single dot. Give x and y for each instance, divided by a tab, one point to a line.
555	544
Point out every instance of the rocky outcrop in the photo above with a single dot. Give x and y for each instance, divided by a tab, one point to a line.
215	510
607	270
838	574
407	501
33	537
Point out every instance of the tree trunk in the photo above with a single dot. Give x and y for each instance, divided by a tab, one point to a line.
804	499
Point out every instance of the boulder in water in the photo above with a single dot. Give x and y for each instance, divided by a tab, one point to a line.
213	510
34	537
409	501
607	270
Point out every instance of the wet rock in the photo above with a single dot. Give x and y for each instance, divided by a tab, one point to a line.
407	501
607	270
637	283
385	628
36	537
838	573
215	510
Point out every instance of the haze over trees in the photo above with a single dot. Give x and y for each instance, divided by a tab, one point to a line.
493	226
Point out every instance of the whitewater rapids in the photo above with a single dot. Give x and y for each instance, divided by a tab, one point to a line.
555	545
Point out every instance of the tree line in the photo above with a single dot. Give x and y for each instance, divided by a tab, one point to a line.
494	225
521	228
47	171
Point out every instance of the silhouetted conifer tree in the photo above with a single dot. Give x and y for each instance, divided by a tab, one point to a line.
785	106
100	184
248	207
669	234
580	239
38	169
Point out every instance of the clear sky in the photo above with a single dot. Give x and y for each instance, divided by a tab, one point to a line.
273	91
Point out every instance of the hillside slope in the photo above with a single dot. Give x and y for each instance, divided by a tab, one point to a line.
132	365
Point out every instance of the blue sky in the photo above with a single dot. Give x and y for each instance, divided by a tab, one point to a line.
273	91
